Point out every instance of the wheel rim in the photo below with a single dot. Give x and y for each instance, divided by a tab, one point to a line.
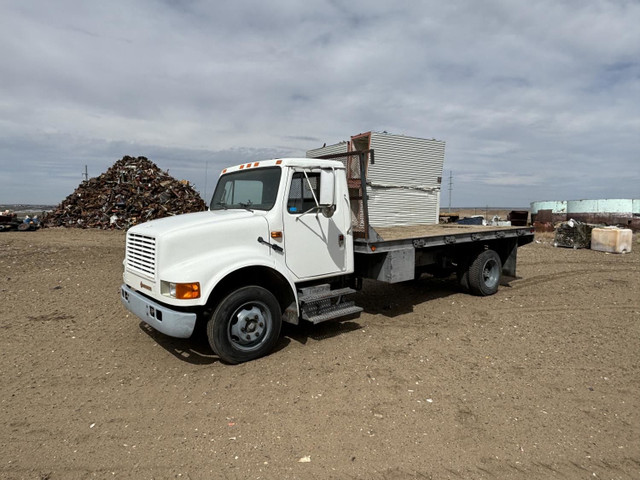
249	325
490	273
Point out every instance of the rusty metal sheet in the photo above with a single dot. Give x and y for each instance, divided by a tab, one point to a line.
608	219
543	226
518	218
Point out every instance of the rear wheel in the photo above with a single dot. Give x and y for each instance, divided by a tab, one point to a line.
485	273
245	325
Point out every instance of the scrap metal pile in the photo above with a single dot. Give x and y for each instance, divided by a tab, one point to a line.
573	234
133	190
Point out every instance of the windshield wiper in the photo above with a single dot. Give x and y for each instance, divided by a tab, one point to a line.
222	204
246	206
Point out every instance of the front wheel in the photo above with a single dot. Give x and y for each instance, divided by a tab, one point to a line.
245	325
485	273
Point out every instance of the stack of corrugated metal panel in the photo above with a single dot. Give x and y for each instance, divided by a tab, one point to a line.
403	184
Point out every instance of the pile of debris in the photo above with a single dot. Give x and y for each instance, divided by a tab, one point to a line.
573	234
133	190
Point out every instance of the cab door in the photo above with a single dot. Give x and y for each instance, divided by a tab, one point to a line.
314	243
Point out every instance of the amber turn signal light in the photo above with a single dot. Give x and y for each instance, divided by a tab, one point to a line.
186	291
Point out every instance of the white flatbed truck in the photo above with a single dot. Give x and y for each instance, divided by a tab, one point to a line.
283	240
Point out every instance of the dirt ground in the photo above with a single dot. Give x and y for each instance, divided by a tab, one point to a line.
541	380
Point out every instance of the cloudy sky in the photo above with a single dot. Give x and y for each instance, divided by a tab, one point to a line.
535	100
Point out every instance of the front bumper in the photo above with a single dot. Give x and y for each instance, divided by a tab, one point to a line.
158	316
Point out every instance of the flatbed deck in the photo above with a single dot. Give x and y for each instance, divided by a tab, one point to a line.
429	236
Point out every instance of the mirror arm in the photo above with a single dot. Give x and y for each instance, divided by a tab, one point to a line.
315	199
316	208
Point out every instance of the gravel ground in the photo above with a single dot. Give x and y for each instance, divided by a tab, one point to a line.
540	380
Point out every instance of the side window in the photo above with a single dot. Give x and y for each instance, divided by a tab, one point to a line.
300	196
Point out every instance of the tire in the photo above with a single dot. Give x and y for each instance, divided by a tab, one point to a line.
485	273
245	325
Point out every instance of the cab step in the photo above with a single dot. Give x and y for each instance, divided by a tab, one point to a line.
322	292
343	311
320	303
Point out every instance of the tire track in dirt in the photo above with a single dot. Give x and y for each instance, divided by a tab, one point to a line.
537	280
555	310
490	467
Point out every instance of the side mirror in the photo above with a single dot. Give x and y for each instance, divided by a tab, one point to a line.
327	192
327	188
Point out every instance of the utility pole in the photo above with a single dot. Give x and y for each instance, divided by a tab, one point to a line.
86	174
450	187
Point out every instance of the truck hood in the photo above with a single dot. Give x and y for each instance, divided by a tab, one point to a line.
183	243
192	221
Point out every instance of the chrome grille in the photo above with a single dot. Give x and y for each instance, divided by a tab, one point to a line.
141	254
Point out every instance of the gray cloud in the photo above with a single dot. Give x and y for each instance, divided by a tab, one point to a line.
535	100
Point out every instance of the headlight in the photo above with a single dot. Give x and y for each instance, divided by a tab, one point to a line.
181	291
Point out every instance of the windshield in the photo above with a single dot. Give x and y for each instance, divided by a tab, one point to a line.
253	189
